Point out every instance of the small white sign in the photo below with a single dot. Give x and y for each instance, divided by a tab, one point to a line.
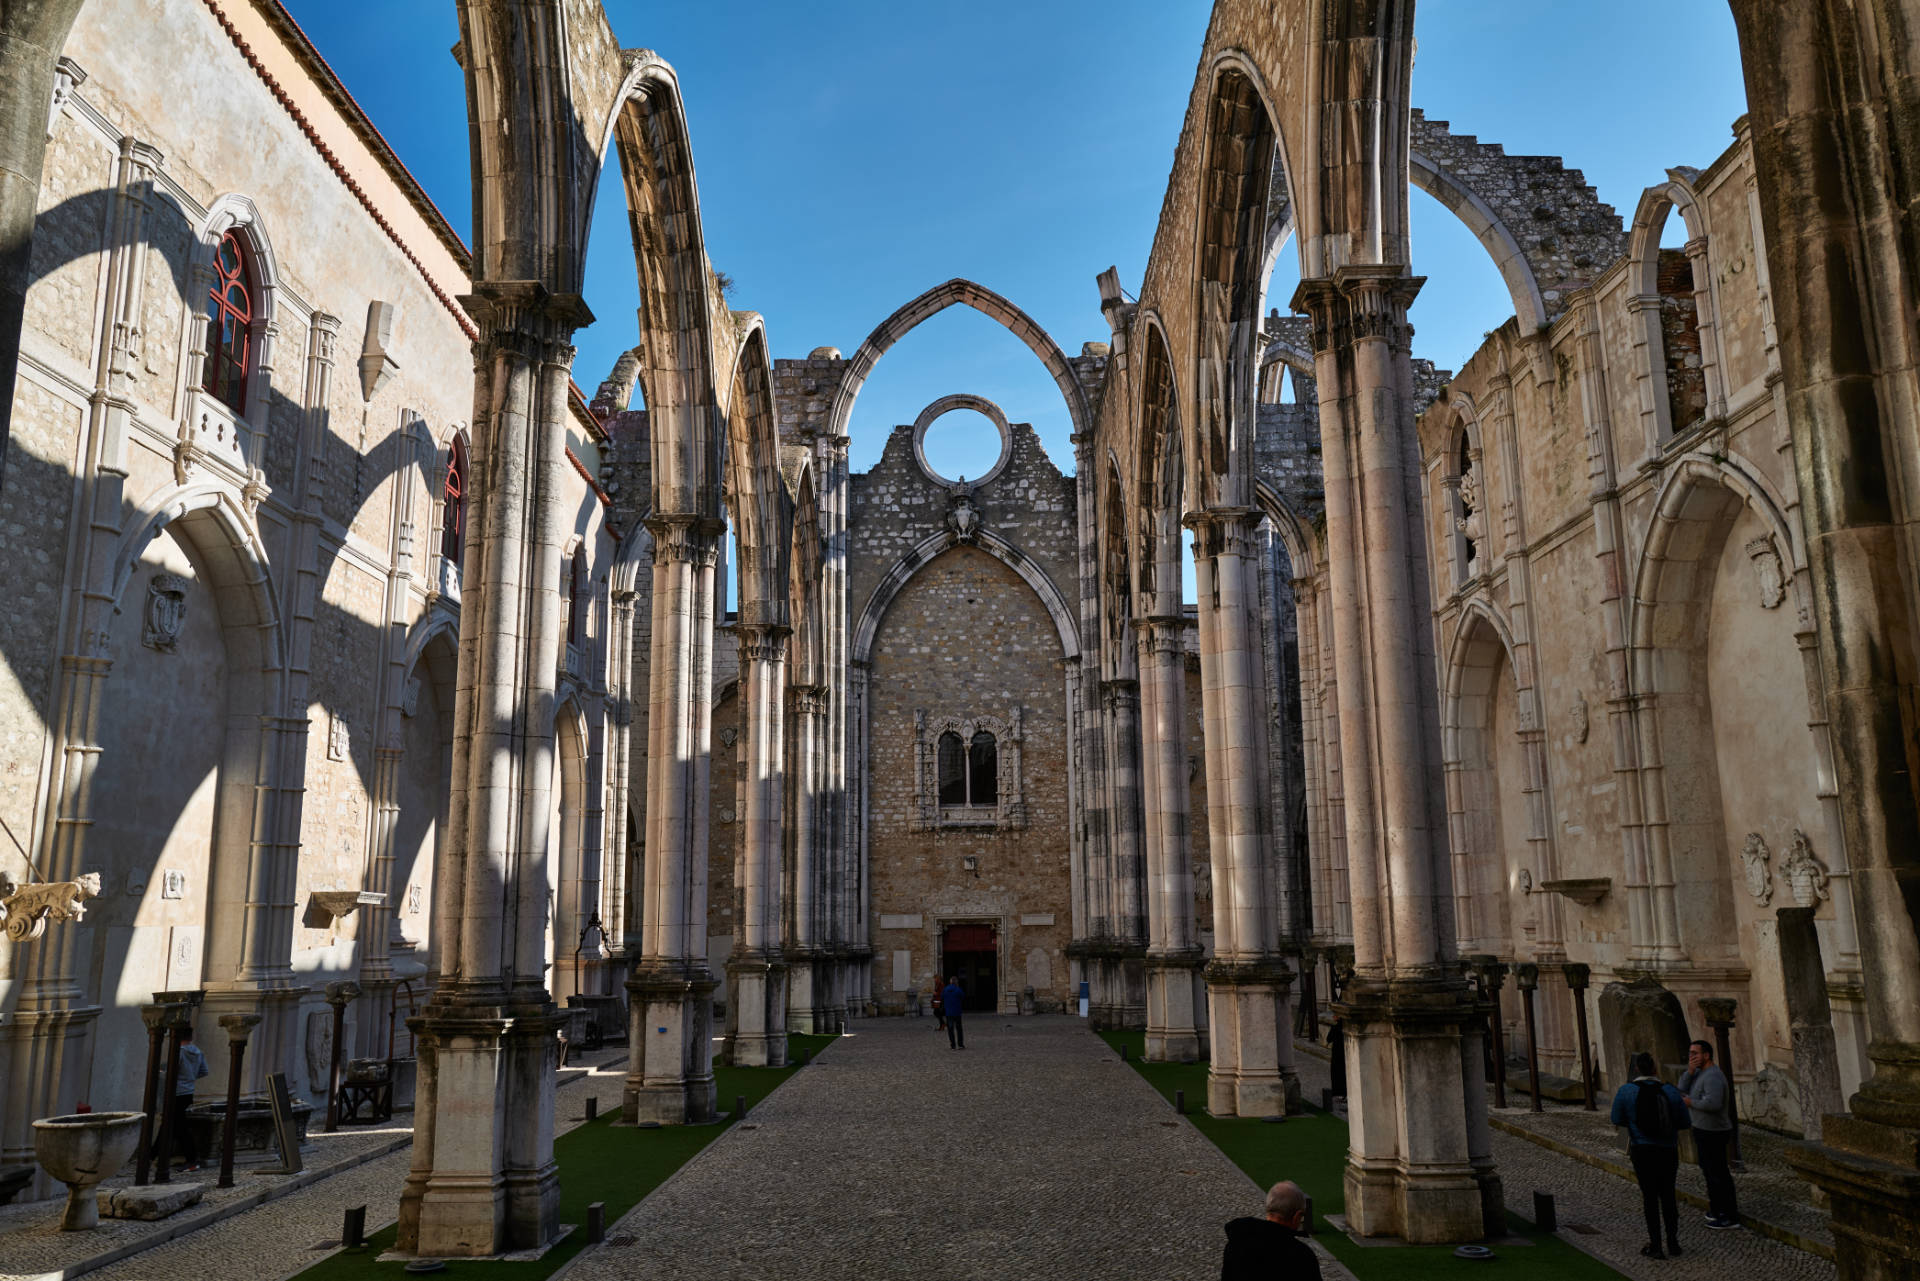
900	921
1036	918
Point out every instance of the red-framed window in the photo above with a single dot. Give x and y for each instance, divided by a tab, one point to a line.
453	494
230	323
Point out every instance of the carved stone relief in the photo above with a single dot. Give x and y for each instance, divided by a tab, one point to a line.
1805	874
166	612
1766	563
964	518
1577	718
1758	861
337	738
410	697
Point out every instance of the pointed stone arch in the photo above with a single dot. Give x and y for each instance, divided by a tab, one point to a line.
926	551
761	510
936	300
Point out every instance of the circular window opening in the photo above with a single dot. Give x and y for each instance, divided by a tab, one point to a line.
961	444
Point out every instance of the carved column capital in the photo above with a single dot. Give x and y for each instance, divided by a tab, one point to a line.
1160	635
761	642
682	539
1121	696
1223	531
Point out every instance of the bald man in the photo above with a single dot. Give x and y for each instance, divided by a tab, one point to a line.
1271	1248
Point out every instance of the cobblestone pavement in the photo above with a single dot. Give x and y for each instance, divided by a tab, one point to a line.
1606	1209
276	1238
1035	1153
1769	1190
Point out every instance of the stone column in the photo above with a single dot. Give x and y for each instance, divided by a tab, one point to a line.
483	1179
1173	954
1418	1163
670	1077
613	912
1249	1008
30	39
1118	1002
45	1054
806	977
756	973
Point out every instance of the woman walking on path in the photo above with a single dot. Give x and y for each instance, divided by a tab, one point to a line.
1654	1114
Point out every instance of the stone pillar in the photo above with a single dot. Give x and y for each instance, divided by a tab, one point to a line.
45	1051
1816	1058
30	39
806	976
670	1074
1835	108
483	1179
1174	993
1120	1004
1418	1162
756	974
1249	1008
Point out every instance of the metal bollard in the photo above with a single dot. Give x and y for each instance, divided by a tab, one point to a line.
804	1056
1123	1051
1180	1102
353	1232
596	1222
593	1106
1307	1225
1326	1099
1545	1217
739	1107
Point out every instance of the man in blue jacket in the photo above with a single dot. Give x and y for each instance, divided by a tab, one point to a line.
1654	1114
950	998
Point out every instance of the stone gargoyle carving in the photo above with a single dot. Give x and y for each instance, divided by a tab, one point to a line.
26	909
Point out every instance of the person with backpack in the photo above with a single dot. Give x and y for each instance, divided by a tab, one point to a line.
1654	1114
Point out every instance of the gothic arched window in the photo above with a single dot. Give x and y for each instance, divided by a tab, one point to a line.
983	770
229	323
453	494
576	592
953	770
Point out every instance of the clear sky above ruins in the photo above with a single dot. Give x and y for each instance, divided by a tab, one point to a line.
851	156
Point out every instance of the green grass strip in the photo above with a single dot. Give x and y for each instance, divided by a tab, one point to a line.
598	1162
1312	1151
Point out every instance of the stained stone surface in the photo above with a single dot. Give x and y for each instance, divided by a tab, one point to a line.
1033	1153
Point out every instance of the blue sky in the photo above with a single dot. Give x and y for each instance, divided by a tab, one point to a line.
852	156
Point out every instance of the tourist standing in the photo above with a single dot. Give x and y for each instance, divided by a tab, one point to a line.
1654	1114
939	1009
1710	1100
1270	1248
193	1066
951	998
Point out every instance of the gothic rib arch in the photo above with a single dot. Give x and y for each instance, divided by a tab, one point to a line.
931	303
929	549
1160	483
808	663
1701	489
1295	534
1240	152
678	297
1657	204
760	508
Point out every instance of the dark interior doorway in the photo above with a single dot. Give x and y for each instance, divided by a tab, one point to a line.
971	954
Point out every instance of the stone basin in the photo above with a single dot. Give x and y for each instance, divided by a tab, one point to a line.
83	1151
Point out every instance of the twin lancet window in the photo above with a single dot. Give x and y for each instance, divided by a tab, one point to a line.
968	770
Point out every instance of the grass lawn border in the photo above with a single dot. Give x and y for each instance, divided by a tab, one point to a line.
598	1162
